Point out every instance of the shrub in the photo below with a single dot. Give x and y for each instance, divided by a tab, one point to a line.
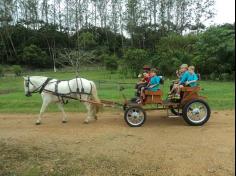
34	56
111	63
17	70
225	77
135	59
213	76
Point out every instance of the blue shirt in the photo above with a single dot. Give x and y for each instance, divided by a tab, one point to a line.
192	77
155	80
184	77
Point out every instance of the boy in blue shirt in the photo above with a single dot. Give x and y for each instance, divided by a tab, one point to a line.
154	84
192	77
189	78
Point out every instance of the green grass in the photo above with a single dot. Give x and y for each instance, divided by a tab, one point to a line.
12	100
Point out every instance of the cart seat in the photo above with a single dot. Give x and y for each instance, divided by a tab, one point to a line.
190	89
149	92
189	93
153	97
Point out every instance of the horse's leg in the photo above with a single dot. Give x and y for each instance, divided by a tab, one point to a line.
43	108
60	106
90	114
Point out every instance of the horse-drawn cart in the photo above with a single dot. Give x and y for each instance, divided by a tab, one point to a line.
191	106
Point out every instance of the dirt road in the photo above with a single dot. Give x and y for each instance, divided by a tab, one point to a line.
162	146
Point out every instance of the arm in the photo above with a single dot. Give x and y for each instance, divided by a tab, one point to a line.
184	78
156	82
195	79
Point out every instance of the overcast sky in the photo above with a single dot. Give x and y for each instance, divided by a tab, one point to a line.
225	10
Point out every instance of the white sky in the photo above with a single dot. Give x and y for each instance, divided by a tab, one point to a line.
225	11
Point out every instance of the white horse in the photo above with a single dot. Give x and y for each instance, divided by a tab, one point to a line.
56	91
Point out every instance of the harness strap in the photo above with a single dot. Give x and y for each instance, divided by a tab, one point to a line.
56	87
82	88
44	85
69	86
77	89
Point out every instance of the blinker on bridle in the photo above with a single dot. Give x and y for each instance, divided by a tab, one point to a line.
28	94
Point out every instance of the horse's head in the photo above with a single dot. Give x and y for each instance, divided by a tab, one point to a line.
28	86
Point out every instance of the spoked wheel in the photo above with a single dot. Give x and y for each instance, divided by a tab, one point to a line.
196	112
135	116
177	112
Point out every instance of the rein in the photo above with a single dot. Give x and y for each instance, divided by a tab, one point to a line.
39	89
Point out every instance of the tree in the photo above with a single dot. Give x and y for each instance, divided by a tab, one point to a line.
87	41
35	57
216	50
135	59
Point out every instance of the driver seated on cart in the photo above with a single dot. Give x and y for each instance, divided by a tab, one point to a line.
153	85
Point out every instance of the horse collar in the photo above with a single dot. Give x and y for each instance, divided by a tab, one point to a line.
44	85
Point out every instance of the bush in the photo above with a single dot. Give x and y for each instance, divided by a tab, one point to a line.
111	63
225	77
135	59
34	56
17	70
1	71
213	76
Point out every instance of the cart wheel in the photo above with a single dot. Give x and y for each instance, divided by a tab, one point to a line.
196	112
135	116
177	112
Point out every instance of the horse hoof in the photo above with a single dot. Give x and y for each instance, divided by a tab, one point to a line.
86	122
37	123
64	121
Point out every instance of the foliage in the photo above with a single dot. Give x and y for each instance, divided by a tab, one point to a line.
212	50
17	70
216	50
33	55
87	40
173	50
135	59
111	62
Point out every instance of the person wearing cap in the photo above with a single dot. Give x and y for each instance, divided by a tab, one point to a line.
146	68
144	80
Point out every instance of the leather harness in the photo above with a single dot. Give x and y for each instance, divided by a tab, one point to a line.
61	97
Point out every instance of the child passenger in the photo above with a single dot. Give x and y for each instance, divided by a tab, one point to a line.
189	79
144	81
154	84
180	74
192	78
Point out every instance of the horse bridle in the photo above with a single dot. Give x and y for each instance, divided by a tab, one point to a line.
39	89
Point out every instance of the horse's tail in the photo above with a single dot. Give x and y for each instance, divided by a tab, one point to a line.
95	97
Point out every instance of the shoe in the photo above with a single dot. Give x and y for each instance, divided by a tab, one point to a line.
139	101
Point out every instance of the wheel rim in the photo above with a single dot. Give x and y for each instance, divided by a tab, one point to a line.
135	116
197	112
